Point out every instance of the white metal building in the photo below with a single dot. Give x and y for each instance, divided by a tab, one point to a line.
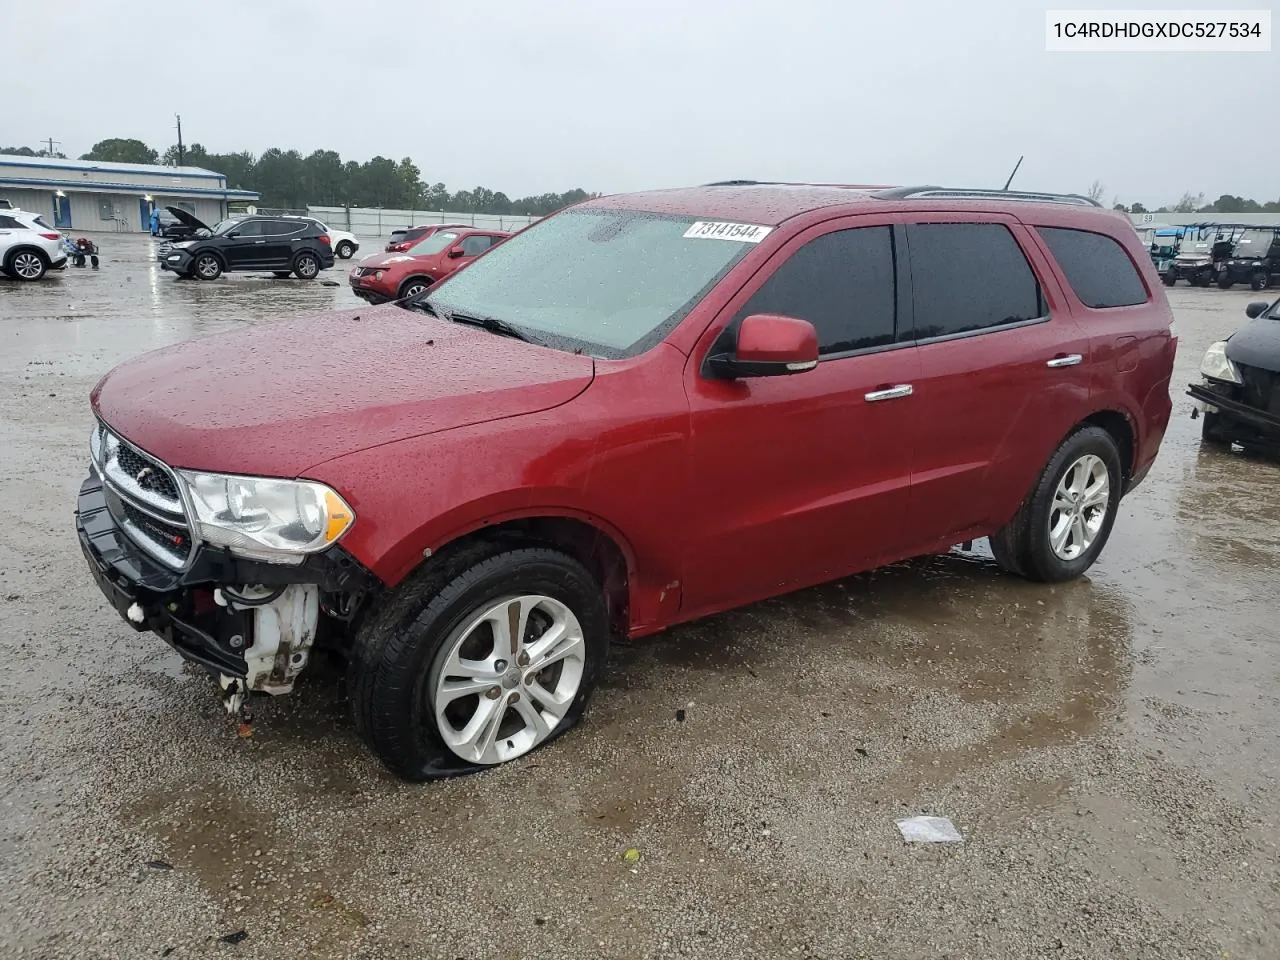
88	195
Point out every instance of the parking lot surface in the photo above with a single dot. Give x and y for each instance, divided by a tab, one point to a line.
1109	748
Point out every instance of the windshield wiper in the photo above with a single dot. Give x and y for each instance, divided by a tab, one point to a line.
426	306
492	324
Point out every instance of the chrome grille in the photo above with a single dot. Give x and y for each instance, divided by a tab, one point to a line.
143	497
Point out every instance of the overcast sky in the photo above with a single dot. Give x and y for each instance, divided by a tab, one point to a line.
528	96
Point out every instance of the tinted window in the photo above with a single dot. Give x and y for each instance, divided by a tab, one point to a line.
247	228
842	283
969	276
41	222
1096	266
275	228
8	223
475	245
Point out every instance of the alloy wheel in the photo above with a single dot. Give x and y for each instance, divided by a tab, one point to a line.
207	268
506	677
1079	507
28	266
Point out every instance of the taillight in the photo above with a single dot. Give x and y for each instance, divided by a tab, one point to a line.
324	238
52	236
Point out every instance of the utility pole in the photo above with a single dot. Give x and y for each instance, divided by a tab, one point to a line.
180	151
51	143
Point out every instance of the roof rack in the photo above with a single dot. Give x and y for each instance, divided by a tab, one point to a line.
950	193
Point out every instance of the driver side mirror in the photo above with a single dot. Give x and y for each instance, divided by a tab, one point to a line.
1256	309
768	345
232	234
457	252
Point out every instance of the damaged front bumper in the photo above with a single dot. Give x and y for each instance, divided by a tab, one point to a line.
252	624
1237	420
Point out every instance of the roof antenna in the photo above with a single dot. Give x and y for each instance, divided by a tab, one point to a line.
1011	176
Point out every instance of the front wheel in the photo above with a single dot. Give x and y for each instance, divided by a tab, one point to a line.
474	667
207	267
306	266
1170	278
1224	281
1211	429
1061	528
413	286
1259	281
345	249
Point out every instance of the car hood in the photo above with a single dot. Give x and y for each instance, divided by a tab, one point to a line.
1257	345
381	261
192	221
280	397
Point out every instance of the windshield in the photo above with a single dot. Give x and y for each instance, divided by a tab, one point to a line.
611	283
223	226
433	244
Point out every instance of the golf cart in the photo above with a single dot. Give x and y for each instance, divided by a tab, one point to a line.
1163	246
1193	260
1254	259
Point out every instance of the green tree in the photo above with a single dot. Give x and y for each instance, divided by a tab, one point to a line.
122	151
1138	208
28	152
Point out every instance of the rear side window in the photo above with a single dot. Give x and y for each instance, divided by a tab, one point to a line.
1096	266
280	228
842	283
8	223
967	277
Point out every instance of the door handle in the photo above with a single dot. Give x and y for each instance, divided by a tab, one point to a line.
259	241
890	393
1068	361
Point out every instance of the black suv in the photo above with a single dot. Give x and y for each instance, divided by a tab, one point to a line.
283	245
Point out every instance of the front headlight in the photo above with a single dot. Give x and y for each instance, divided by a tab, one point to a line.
264	519
1216	366
180	245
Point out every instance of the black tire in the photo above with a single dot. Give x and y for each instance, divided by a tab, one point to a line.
1022	546
26	265
395	652
206	266
1170	278
1211	429
413	286
306	266
1224	280
282	274
345	250
1259	281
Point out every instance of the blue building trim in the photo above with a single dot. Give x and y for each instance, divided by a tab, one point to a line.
81	186
89	166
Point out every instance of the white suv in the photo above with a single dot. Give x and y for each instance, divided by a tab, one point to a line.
344	244
29	247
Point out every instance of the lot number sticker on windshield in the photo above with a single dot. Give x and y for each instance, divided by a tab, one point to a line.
714	230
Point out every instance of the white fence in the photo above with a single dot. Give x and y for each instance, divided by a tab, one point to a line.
376	222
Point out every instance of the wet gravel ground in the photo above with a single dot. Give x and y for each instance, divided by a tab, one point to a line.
1108	747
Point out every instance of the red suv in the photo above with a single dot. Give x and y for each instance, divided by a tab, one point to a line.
640	410
402	240
394	276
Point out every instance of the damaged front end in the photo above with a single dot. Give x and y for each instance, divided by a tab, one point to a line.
161	552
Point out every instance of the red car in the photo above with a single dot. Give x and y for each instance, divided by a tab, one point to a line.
394	276
402	240
638	411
